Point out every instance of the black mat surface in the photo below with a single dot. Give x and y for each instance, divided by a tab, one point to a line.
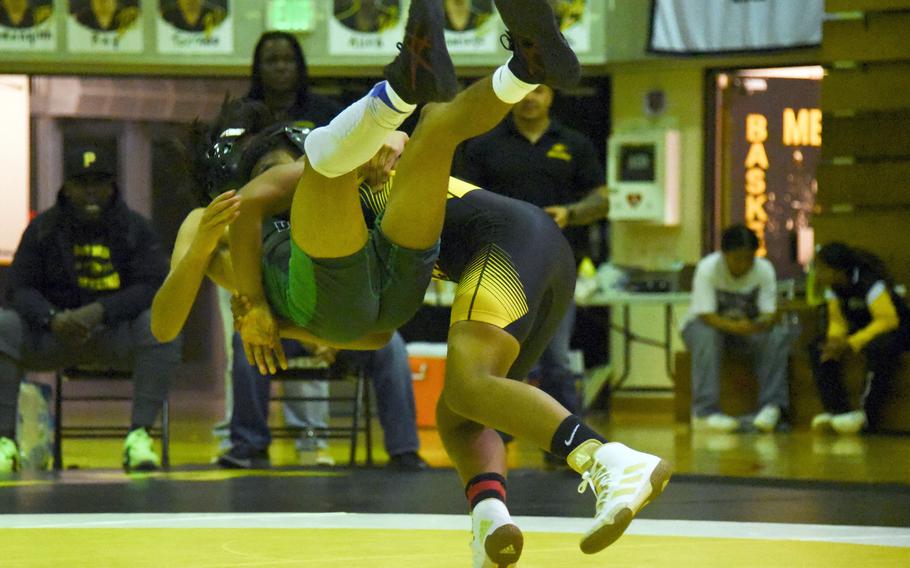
531	492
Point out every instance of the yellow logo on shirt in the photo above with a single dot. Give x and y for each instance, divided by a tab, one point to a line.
559	151
94	269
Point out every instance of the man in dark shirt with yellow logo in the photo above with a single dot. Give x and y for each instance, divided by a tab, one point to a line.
80	288
532	157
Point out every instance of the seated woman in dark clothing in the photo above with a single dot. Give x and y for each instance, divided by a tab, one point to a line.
865	316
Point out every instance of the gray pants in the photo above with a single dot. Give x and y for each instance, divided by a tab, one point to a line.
128	346
770	351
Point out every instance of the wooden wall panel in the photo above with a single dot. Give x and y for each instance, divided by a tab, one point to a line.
865	5
867	116
875	87
878	37
880	135
886	234
877	184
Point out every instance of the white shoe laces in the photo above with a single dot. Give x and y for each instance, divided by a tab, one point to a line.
598	478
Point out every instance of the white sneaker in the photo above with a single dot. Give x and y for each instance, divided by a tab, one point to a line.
717	422
822	422
9	456
497	540
623	481
767	418
318	457
849	422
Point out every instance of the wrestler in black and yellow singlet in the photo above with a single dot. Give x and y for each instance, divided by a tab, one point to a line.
514	268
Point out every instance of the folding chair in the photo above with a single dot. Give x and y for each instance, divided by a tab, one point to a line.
100	374
311	369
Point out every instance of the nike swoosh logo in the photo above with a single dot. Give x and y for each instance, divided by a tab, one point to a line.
572	437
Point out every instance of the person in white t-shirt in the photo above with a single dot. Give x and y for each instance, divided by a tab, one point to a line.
734	306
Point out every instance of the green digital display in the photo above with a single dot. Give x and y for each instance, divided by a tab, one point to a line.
291	15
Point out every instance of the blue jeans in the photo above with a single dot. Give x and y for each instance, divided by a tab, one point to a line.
126	345
770	351
556	376
387	367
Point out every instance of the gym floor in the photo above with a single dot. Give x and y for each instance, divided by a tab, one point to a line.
789	499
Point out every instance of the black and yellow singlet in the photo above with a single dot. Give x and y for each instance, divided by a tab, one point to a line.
513	267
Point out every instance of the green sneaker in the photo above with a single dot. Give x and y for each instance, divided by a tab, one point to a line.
9	456
138	454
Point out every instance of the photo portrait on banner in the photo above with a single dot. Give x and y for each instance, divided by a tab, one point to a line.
27	25
470	26
365	27
106	26
195	26
575	22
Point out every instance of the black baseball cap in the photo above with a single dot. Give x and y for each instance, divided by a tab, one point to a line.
89	159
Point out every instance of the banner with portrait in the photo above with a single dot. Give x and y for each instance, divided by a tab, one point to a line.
575	22
471	27
27	25
366	27
104	26
195	26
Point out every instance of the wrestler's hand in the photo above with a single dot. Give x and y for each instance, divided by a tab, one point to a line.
377	171
240	305
261	343
220	213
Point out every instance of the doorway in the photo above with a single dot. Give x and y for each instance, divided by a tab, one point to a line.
767	131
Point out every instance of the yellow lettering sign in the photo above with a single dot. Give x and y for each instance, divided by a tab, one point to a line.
803	127
757	156
755	208
88	158
756	128
755	181
756	187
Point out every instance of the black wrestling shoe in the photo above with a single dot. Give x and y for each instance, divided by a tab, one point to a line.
423	71
541	53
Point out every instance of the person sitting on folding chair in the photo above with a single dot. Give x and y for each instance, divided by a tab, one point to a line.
80	287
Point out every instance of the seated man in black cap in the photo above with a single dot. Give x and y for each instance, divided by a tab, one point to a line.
80	288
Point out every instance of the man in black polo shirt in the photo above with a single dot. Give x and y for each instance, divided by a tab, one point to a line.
532	157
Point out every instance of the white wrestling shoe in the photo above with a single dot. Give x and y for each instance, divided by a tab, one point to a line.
497	540
623	481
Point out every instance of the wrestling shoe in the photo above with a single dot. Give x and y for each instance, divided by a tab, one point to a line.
9	456
541	53
849	422
138	454
623	480
423	72
497	540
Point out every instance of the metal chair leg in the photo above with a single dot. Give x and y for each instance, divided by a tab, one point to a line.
358	397
58	422
165	434
368	418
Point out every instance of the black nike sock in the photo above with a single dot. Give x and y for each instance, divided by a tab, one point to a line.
571	434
